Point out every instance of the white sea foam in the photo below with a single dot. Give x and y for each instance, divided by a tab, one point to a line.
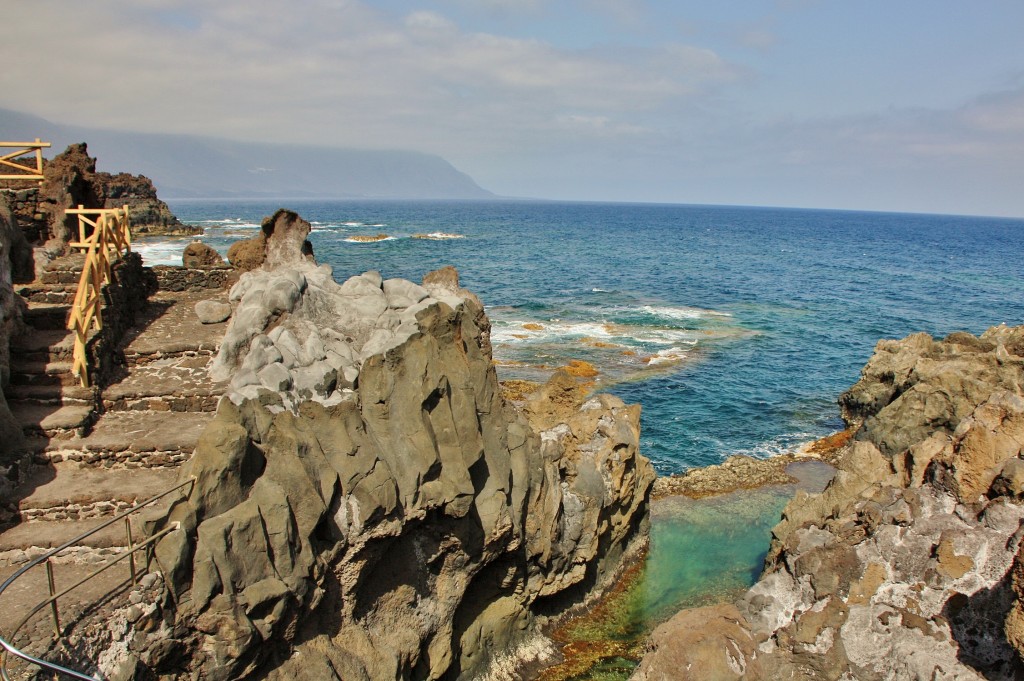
788	443
668	356
440	236
160	252
354	240
679	313
230	222
523	331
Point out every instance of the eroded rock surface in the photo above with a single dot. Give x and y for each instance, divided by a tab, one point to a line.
906	566
367	506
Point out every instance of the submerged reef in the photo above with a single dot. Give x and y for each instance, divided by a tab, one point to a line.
366	505
909	564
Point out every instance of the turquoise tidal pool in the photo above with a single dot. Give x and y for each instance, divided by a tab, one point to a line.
702	552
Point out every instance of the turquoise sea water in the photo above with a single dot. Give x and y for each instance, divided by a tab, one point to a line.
702	552
735	328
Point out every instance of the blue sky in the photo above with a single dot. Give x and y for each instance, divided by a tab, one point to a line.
912	105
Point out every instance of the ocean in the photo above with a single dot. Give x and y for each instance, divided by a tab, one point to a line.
735	328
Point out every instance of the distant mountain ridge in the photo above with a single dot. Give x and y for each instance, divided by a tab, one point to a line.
189	166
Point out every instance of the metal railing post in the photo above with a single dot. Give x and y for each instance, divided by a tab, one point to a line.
131	543
53	601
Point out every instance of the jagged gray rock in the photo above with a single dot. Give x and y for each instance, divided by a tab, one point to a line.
367	506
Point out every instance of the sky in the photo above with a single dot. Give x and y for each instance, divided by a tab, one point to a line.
916	105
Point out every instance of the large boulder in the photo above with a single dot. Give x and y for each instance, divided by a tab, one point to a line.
281	242
200	255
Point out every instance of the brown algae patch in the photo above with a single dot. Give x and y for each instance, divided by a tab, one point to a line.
515	390
581	369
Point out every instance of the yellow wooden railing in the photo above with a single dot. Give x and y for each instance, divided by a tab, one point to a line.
25	171
105	237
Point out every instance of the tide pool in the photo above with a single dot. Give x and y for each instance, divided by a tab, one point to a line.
702	552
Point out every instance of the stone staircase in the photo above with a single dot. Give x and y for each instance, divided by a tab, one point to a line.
97	451
44	395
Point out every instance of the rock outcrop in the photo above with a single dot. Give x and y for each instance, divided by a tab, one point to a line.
282	238
200	255
366	505
71	180
908	565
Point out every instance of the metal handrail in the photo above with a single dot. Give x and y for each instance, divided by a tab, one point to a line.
8	647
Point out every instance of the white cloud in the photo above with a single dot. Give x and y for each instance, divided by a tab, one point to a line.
332	72
1002	112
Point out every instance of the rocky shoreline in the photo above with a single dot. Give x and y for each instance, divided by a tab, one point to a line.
907	565
371	503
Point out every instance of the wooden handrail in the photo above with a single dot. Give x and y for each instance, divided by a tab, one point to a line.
27	172
110	236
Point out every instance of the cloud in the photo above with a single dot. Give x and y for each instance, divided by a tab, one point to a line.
1001	112
336	72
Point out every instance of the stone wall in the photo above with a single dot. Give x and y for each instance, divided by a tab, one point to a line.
28	212
124	297
175	278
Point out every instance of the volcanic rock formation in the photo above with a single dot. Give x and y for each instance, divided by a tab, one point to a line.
366	505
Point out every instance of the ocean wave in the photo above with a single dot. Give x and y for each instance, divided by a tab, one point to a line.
682	313
357	239
230	222
160	253
627	336
668	356
439	236
787	443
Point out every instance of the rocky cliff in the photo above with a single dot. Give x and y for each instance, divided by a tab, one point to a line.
907	566
366	505
71	180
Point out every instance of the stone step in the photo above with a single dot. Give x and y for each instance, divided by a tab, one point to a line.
35	372
170	328
52	421
52	394
46	315
175	383
53	295
50	534
132	439
42	345
70	491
